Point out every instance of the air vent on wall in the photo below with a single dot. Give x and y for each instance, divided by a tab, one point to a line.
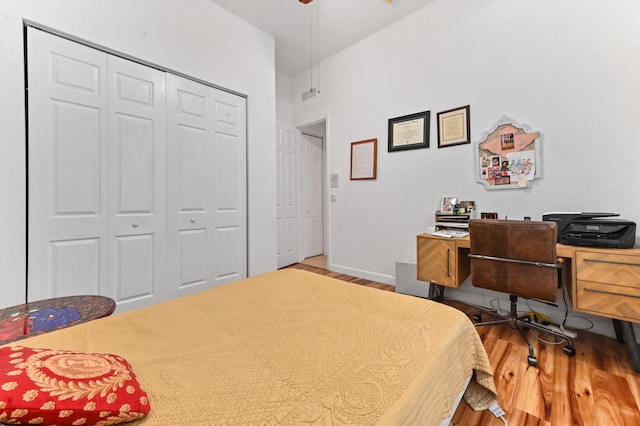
309	93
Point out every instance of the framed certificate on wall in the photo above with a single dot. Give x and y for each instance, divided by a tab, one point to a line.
453	127
409	131
364	159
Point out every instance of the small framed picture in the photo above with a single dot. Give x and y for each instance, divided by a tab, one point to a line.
467	206
448	204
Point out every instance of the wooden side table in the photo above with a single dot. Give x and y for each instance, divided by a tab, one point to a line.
43	316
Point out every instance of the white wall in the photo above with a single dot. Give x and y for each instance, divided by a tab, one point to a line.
284	98
193	37
569	69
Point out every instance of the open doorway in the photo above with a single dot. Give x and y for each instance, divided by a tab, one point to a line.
302	209
313	193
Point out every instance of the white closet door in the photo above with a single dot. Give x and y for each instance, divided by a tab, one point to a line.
137	184
109	212
206	192
67	168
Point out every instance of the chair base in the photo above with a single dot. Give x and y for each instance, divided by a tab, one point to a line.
520	324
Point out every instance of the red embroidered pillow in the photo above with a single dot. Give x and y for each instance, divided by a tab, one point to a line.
52	387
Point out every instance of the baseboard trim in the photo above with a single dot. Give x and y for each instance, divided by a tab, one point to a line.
367	275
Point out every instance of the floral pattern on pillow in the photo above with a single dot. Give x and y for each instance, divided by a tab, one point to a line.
56	387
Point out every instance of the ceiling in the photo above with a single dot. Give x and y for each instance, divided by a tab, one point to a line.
341	24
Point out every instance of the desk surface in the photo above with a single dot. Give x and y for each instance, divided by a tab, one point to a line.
43	316
563	250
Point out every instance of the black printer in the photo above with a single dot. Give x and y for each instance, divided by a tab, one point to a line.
593	229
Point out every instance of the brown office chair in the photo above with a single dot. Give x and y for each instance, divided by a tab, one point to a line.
517	257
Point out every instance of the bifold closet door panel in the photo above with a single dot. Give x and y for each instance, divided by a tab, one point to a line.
230	168
97	174
67	173
137	184
206	190
188	186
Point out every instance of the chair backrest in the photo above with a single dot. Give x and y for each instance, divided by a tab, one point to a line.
515	256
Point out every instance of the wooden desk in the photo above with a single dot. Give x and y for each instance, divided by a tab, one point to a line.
30	319
603	282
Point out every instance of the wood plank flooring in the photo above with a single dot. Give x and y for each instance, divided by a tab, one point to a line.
597	387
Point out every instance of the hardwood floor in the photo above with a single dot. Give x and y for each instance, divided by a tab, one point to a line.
596	387
317	261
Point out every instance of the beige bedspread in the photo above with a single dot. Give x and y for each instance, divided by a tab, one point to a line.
290	348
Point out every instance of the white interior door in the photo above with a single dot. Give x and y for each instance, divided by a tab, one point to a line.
206	198
287	189
137	183
312	166
68	185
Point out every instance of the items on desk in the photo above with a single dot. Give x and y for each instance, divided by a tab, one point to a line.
447	205
454	223
485	215
593	229
450	233
447	221
466	207
451	206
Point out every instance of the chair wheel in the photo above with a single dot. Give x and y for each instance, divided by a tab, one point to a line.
569	350
532	360
477	317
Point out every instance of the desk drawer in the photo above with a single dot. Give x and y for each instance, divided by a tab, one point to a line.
609	300
616	269
436	261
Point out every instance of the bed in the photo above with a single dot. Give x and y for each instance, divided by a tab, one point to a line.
291	347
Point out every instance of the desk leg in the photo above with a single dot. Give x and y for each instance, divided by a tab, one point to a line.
436	292
618	329
624	329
